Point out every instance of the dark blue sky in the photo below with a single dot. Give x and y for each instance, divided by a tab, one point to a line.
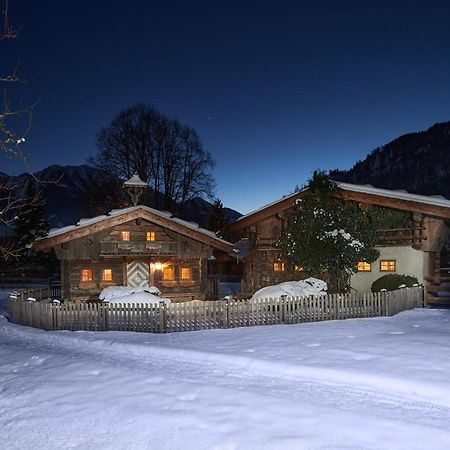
274	89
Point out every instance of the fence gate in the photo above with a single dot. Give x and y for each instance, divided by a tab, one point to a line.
137	274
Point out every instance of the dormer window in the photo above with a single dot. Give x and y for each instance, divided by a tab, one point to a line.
151	235
125	236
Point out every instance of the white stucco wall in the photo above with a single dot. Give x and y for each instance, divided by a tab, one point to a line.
408	262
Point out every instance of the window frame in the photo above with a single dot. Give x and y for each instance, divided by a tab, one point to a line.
388	261
152	236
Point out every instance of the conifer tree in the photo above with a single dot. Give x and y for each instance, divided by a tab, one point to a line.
328	236
217	218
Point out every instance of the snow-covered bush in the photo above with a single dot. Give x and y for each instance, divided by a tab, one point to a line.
392	282
304	288
127	295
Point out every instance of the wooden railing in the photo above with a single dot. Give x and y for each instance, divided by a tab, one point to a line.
138	248
39	293
213	314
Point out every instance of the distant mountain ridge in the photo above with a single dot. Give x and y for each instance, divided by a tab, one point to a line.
416	162
66	190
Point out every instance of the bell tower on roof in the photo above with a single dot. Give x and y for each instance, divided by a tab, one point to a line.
135	187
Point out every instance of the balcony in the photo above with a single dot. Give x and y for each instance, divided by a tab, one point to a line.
400	236
137	248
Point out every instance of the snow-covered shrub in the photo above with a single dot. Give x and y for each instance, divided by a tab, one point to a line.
304	288
127	295
393	281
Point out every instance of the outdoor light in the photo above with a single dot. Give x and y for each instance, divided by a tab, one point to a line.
157	266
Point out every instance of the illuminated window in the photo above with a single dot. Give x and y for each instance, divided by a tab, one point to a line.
125	235
364	266
168	273
150	235
107	275
388	265
86	275
299	269
278	267
186	274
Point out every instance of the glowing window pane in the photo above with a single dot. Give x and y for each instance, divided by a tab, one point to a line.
125	235
150	235
168	273
86	275
186	273
278	267
107	275
364	266
388	265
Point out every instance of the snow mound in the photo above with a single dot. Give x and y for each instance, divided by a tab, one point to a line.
120	291
304	288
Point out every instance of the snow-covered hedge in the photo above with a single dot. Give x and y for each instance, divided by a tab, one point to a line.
303	288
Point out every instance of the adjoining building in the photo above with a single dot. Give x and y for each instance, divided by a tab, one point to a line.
413	249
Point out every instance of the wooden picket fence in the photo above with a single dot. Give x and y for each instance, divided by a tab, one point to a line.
212	314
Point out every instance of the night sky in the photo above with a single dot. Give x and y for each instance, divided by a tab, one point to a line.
274	89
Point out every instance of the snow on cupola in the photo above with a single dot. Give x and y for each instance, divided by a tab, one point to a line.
135	187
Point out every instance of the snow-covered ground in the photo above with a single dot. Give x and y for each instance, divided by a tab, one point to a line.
378	383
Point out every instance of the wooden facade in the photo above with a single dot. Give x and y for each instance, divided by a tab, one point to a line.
137	248
264	263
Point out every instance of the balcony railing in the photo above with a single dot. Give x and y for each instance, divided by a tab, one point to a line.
137	248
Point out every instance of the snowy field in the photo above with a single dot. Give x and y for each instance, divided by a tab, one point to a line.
379	383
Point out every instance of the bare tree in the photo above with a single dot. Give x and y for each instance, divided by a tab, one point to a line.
15	123
166	154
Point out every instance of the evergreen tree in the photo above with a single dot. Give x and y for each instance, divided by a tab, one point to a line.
30	223
217	218
328	236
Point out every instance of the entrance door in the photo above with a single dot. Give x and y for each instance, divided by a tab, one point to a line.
137	274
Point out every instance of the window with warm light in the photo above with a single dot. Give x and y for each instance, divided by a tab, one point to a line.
151	236
186	274
299	269
107	275
125	235
168	273
278	267
364	266
388	265
86	275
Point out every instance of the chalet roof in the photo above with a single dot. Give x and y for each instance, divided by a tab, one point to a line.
118	216
431	205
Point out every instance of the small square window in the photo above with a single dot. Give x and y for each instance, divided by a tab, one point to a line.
186	274
388	265
125	235
86	275
168	273
299	269
151	236
364	266
278	267
107	275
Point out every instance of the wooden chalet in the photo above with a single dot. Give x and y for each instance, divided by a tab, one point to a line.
136	246
413	250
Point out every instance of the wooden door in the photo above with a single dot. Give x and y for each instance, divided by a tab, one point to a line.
137	274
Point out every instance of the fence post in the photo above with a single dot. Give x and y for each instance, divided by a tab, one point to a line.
226	314
162	317
282	308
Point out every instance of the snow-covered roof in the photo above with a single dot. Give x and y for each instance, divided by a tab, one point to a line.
135	181
54	232
433	200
